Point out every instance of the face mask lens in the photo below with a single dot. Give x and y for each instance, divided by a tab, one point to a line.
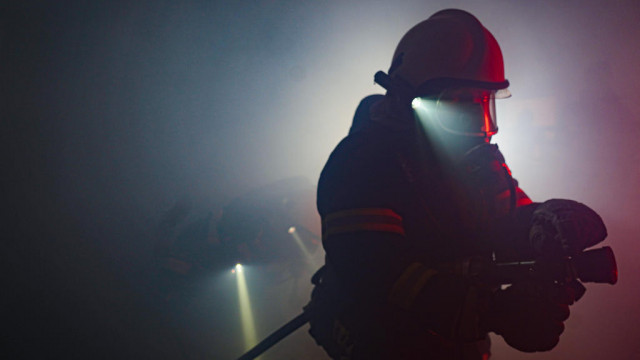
468	112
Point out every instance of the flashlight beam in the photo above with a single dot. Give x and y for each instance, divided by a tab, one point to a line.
276	336
246	314
310	260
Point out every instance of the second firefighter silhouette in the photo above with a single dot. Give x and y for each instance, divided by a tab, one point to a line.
416	194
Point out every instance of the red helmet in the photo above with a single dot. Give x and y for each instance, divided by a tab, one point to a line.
451	50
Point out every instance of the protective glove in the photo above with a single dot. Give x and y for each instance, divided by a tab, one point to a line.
529	319
564	227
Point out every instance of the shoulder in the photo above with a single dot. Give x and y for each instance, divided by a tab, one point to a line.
362	171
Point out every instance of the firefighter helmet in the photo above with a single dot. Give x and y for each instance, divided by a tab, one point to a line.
451	50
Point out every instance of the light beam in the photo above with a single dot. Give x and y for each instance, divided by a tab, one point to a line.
246	313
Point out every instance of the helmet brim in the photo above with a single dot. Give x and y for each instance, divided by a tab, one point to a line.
436	86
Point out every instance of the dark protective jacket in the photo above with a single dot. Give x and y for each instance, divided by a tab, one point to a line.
398	222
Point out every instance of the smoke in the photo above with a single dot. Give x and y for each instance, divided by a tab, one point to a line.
121	109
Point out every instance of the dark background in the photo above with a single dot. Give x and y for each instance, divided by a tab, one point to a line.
112	112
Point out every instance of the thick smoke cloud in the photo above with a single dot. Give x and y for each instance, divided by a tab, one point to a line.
114	111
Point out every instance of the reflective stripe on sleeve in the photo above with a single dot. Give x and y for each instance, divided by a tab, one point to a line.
363	219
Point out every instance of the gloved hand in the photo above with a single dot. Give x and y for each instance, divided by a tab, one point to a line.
564	227
529	319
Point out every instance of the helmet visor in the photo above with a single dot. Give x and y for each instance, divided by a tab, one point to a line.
465	111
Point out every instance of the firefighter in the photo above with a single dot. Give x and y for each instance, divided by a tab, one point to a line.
416	197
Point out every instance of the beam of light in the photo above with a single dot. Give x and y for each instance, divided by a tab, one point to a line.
446	145
424	110
246	314
310	258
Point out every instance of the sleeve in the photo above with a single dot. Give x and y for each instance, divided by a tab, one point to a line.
514	210
514	238
362	223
